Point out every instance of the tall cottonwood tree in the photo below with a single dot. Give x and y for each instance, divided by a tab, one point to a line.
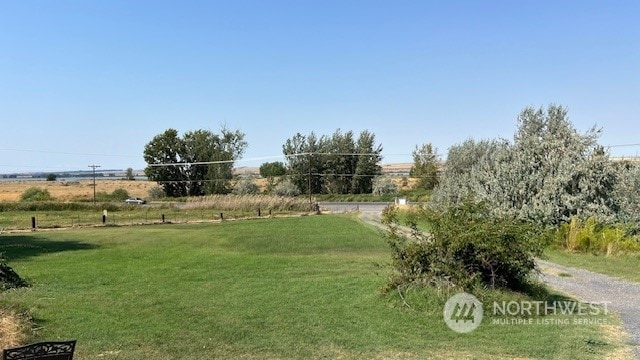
303	161
272	169
425	166
198	163
367	166
338	163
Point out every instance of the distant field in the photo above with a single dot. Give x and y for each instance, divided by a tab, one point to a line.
65	191
297	288
83	189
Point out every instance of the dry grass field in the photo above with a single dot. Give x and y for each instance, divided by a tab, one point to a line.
67	191
83	189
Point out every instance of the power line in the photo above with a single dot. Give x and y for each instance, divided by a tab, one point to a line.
288	175
262	158
621	145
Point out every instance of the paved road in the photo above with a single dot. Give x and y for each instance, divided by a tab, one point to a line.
363	207
369	211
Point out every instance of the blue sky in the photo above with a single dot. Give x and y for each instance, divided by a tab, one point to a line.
84	82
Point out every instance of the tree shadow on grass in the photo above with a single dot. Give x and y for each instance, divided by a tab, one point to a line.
17	247
538	291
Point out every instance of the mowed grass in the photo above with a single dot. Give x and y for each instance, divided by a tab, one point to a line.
623	266
293	288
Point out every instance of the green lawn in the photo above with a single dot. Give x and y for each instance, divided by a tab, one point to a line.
305	287
624	266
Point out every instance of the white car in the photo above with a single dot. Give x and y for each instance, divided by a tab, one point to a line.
135	200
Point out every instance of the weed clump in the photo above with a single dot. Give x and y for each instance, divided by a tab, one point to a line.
593	236
35	194
14	328
466	248
9	279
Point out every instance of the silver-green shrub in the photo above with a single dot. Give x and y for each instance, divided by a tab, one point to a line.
245	186
627	193
286	188
547	174
384	185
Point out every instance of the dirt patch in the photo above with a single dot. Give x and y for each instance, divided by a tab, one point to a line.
74	190
616	335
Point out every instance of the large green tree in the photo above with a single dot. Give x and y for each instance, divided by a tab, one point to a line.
198	163
367	166
425	166
272	172
303	162
273	169
164	163
338	163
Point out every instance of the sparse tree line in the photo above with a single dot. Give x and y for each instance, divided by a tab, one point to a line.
201	163
335	164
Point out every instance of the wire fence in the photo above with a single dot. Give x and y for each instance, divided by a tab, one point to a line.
58	219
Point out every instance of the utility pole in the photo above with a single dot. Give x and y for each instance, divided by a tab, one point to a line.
309	179
94	180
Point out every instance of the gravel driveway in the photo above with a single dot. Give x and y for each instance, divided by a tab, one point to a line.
623	296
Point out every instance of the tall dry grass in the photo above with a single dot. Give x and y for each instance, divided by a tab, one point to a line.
12	329
248	203
593	236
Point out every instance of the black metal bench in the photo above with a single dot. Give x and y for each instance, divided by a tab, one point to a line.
47	350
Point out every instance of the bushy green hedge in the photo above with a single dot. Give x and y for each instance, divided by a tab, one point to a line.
465	248
119	194
35	194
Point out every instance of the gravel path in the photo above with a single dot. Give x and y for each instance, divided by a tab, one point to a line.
623	296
